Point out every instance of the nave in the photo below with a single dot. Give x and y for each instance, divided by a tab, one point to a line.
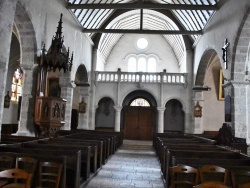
133	165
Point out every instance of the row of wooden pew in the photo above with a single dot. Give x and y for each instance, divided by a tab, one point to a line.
82	152
175	149
24	171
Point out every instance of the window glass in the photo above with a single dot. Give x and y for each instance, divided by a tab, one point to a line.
131	64
142	43
151	64
16	88
142	65
140	102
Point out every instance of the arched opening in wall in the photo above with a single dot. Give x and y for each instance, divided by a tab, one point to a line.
173	117
79	102
14	89
138	116
105	114
212	101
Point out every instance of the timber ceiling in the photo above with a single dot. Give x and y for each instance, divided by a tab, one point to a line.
105	21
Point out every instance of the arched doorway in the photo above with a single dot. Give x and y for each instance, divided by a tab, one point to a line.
138	116
105	114
173	116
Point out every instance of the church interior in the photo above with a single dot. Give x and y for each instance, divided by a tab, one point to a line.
87	86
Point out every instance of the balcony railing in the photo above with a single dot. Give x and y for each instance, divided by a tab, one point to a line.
141	77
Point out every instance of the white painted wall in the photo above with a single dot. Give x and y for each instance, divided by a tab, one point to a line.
157	45
225	24
213	109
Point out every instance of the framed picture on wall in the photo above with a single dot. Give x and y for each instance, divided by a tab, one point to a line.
221	90
54	89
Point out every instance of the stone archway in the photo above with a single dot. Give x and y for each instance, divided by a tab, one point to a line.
28	53
238	87
80	96
105	114
139	123
212	106
174	116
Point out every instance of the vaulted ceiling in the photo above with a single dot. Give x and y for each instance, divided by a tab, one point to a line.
105	21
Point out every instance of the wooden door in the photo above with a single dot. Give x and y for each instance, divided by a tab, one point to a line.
138	123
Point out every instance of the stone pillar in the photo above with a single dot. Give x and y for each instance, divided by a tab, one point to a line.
160	128
67	93
198	128
118	118
188	109
83	117
239	108
7	13
26	125
92	105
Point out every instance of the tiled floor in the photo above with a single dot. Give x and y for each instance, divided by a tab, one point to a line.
133	165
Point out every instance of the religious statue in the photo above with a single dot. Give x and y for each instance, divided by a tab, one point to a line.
224	55
7	100
82	106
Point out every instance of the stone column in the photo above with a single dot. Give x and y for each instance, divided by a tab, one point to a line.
92	106
189	118
7	13
26	125
239	108
160	128
198	128
118	118
83	117
67	93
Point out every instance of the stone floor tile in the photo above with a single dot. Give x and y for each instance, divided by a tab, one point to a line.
134	165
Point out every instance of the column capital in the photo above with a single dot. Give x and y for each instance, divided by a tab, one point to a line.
118	108
236	83
161	109
83	91
29	67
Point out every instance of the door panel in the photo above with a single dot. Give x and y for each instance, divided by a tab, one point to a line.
138	123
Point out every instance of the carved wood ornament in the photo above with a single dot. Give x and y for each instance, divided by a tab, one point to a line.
197	110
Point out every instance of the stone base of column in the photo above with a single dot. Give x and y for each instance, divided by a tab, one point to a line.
23	133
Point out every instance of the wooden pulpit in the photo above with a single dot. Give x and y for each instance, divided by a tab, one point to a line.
50	115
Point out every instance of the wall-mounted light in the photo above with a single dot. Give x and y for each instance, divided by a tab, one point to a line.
201	88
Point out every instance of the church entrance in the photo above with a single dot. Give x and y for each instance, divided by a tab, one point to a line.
138	123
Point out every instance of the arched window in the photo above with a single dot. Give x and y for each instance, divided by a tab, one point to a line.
142	62
139	102
132	64
142	65
16	88
151	64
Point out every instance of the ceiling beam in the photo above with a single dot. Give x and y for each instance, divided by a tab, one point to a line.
142	6
138	31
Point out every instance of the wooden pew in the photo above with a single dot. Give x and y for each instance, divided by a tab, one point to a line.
76	141
72	163
106	143
85	154
75	145
171	154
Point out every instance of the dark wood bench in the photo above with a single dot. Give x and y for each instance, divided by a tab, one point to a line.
106	143
72	157
85	159
80	146
99	144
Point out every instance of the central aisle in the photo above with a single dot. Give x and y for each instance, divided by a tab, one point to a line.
133	165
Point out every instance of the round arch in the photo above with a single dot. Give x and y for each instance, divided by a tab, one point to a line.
105	114
24	30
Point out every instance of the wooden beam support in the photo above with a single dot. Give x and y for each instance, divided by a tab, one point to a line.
134	31
142	6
